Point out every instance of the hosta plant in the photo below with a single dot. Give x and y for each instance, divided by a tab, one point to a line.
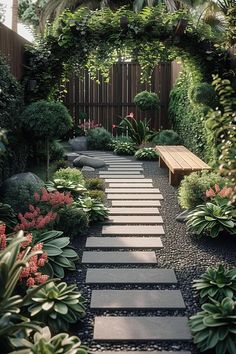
216	283
215	327
125	148
212	219
146	154
95	209
58	305
64	185
44	342
61	255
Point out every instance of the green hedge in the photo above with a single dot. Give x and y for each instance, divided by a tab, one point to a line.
187	118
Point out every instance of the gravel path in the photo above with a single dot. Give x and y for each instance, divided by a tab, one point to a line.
187	255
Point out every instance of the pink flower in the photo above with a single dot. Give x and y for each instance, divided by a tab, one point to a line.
30	282
2	229
217	188
114	126
131	115
225	192
210	193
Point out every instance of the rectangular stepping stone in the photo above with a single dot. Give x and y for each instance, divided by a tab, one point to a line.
130	276
135	203
133	190
127	180
141	352
124	164
132	230
134	211
125	169
123	172
137	299
111	177
130	185
134	219
135	196
129	257
116	328
124	242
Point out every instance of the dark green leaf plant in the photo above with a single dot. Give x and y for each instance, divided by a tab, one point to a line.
216	283
58	305
215	327
44	342
212	219
61	256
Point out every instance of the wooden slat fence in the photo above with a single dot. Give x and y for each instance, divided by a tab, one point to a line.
12	47
107	103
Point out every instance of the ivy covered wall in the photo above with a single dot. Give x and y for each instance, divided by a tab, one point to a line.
187	118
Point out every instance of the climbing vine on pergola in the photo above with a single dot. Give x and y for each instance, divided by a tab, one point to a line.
96	39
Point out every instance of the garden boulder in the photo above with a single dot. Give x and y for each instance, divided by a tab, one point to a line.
79	143
83	160
21	179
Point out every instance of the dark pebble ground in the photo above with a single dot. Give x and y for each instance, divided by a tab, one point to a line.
186	254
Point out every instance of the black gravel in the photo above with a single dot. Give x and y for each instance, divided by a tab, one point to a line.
186	254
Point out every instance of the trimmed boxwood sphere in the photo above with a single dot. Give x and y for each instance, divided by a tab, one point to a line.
147	100
46	119
203	93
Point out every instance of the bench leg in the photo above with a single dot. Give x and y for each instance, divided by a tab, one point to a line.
175	178
161	162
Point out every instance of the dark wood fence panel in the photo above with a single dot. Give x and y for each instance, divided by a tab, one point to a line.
12	47
107	103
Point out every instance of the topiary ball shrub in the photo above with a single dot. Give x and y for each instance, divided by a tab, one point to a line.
167	137
147	101
99	139
46	119
203	93
72	221
192	189
147	153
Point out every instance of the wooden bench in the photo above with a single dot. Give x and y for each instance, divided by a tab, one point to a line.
180	162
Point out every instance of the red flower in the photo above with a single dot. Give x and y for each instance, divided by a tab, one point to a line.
114	126
131	115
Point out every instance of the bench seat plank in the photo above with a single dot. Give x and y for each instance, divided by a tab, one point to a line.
180	161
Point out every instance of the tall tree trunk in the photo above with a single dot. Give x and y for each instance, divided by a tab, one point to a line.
14	15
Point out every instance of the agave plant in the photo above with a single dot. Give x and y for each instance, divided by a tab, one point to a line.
138	130
216	284
94	207
58	305
215	327
65	185
146	154
43	342
212	219
61	256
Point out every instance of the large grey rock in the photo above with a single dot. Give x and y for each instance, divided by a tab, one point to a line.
71	156
83	160
79	143
20	179
87	169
